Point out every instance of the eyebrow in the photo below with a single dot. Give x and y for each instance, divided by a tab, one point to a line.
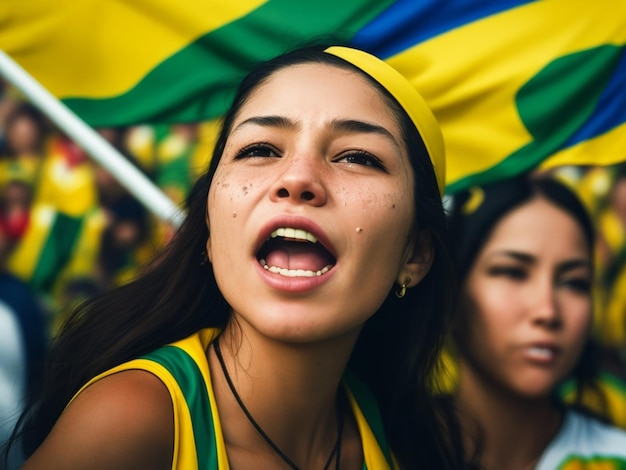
516	255
345	125
530	259
361	127
268	121
574	264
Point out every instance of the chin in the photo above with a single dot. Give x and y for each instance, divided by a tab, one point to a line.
306	334
296	332
534	391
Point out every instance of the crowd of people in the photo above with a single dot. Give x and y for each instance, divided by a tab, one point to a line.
53	193
306	314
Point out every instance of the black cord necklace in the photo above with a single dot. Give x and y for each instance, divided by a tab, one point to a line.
336	451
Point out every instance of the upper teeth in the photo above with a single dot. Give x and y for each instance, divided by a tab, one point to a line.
295	233
540	351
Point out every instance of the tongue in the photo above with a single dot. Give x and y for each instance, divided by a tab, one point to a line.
298	256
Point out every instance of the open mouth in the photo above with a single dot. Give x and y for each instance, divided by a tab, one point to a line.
294	252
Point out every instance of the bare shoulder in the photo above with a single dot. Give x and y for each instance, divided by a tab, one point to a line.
122	421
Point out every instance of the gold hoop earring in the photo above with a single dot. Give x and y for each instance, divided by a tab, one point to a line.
400	293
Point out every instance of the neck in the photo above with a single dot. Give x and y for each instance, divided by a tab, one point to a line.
290	390
511	431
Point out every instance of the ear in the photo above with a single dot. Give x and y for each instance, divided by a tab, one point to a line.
418	261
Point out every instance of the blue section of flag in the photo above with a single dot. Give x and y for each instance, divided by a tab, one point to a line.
610	111
408	22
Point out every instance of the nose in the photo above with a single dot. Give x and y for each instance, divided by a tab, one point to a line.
545	309
300	182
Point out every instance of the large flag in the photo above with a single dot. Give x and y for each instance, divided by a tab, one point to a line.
514	83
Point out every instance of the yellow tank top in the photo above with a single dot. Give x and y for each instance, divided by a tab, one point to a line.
198	440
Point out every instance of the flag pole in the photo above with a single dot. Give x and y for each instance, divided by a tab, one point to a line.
93	143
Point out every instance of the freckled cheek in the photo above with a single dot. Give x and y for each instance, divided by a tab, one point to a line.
403	213
233	196
226	228
389	204
227	190
222	202
399	205
383	220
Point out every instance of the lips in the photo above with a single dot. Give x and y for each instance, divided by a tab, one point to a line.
295	251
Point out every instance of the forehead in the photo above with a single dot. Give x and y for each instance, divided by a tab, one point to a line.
539	227
322	90
21	121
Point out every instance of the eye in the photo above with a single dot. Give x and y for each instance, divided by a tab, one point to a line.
577	284
258	150
360	157
510	272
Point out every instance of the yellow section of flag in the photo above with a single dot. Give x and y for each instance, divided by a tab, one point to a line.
153	30
606	149
470	76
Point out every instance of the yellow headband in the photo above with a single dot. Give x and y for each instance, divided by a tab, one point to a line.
410	100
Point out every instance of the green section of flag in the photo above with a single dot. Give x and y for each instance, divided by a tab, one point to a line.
57	250
553	105
199	81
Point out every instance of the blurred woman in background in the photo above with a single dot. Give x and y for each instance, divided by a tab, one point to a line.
525	259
